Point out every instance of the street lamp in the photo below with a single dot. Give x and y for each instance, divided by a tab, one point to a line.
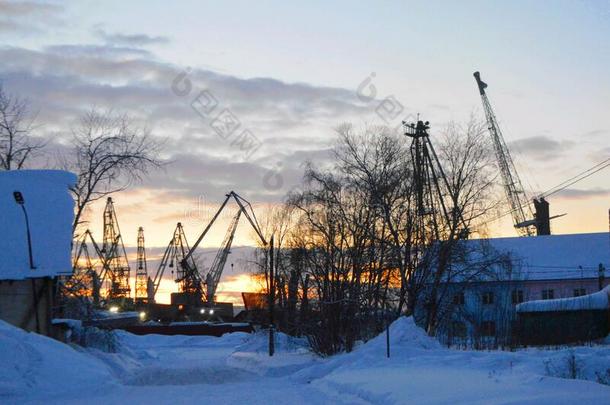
19	200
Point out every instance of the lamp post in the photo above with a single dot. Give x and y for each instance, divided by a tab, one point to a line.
19	200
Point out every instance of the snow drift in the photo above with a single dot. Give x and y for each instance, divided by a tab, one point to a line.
599	300
30	362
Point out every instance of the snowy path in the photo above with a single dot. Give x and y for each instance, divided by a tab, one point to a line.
235	369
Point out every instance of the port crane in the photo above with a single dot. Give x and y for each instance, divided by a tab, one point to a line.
178	254
524	221
173	256
141	293
113	251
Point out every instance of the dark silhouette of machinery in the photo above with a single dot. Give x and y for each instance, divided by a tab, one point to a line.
197	287
116	267
141	294
430	188
526	223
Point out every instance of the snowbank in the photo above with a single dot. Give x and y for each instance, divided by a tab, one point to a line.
50	210
33	363
235	369
598	300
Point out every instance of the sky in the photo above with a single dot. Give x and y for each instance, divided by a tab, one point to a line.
289	74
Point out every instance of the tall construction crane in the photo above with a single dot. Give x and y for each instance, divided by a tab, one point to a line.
175	253
84	281
517	200
428	182
212	278
141	295
179	255
113	251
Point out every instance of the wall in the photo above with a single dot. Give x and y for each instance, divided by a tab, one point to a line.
473	312
17	304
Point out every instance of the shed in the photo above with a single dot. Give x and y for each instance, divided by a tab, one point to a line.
565	320
36	214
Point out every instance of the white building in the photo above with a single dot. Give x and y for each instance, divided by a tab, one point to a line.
36	214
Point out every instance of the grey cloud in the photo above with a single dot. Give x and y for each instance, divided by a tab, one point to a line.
540	146
288	104
129	39
27	8
292	120
98	51
27	17
579	194
595	133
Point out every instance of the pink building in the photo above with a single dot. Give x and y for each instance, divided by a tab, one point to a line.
557	266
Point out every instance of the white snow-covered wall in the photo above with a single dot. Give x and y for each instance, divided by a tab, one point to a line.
50	209
599	300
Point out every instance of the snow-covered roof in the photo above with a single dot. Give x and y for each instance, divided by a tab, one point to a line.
556	256
50	210
598	300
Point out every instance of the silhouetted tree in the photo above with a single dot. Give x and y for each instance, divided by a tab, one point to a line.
110	152
16	122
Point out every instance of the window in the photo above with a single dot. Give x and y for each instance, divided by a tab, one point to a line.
488	328
548	294
458	329
517	296
488	298
579	292
458	299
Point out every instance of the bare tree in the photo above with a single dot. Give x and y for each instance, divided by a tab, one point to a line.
469	171
110	153
16	121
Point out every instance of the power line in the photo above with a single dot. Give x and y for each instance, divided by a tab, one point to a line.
548	193
561	186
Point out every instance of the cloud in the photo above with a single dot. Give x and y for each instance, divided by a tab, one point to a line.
294	122
540	146
27	17
27	8
582	194
129	39
595	133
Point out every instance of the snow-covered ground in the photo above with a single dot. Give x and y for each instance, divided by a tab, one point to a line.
235	369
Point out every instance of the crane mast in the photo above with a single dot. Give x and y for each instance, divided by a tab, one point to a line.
114	252
141	270
520	208
174	256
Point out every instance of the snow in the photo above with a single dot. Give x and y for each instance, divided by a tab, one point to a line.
50	210
555	256
235	369
598	300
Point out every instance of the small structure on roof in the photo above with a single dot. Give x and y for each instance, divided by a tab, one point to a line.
35	247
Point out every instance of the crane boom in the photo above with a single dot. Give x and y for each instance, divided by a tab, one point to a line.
520	207
212	278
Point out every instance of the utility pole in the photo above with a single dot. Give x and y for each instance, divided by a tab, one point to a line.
387	330
271	297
